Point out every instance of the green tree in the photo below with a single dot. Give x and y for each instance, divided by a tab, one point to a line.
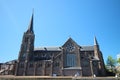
118	61
111	63
118	67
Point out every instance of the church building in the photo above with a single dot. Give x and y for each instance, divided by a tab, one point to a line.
65	60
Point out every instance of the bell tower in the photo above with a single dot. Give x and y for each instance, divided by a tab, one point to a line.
27	46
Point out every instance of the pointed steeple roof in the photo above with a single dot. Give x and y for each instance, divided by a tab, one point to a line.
95	41
30	27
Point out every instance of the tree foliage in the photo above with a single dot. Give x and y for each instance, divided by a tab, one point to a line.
118	61
111	65
111	62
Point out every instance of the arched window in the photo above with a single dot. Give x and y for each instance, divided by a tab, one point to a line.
39	65
31	65
71	60
21	65
56	64
48	65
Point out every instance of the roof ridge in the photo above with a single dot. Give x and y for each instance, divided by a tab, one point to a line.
47	46
86	45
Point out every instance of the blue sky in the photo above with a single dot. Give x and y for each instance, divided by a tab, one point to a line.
57	20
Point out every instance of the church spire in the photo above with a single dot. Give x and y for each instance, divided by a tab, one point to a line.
30	27
95	41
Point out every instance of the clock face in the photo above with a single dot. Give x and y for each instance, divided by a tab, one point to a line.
70	47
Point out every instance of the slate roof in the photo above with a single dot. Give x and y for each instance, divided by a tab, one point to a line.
11	62
83	48
87	48
48	49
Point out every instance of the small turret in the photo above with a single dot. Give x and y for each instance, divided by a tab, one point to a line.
98	55
96	48
95	41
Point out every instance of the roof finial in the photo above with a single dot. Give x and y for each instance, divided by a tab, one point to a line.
69	36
